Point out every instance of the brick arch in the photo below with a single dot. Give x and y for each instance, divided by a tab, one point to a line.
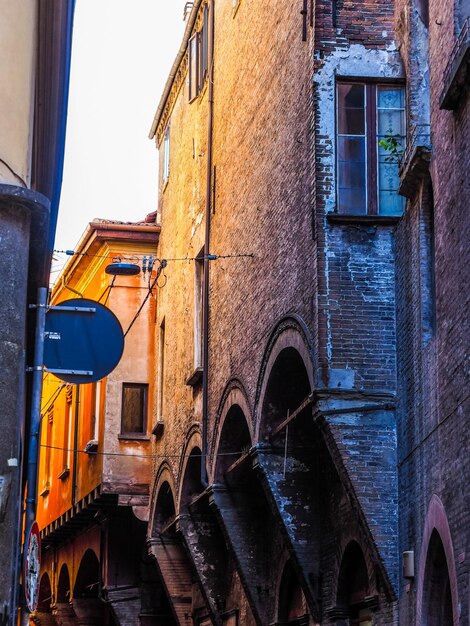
45	598
349	538
300	338
436	522
64	588
88	570
286	565
290	336
163	475
233	398
190	465
353	580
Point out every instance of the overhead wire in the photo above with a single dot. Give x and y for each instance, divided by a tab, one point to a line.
164	455
210	257
160	268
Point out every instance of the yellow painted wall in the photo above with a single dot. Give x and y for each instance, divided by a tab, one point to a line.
17	71
120	466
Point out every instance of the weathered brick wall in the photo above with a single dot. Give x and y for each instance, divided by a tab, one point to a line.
355	263
262	141
433	367
181	213
274	185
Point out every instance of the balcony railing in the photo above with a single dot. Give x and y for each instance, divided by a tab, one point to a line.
416	157
456	73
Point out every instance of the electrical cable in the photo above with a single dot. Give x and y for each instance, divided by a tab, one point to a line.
149	293
210	257
169	456
108	290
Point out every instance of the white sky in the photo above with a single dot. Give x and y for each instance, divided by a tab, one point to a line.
122	53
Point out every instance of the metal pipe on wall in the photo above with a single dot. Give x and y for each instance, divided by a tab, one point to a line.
33	444
206	309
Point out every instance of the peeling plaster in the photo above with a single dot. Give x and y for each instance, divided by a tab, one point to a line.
355	61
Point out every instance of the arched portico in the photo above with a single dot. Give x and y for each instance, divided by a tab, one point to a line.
63	610
43	614
233	432
287	452
87	602
292	607
165	545
437	597
286	377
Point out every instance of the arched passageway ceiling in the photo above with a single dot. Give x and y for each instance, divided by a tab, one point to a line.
234	442
437	596
45	594
287	387
286	463
291	600
204	540
166	547
437	573
87	604
63	585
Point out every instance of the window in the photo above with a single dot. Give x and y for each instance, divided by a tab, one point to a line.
95	410
161	370
198	308
49	443
370	136
198	49
67	433
134	408
166	155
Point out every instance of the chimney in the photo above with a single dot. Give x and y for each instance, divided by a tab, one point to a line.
187	10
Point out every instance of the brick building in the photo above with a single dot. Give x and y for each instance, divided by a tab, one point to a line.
307	403
276	500
94	470
432	320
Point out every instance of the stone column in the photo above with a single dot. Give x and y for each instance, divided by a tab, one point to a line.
24	218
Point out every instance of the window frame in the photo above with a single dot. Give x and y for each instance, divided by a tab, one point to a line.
198	322
371	138
198	57
166	155
144	388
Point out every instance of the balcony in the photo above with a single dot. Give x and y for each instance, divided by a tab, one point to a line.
414	164
457	74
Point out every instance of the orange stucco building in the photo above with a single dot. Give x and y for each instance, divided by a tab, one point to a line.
95	457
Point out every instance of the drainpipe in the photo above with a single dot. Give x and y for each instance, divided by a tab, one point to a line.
205	357
33	445
70	288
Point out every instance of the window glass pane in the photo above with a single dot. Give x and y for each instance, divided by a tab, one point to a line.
390	203
351	109
390	122
352	201
166	154
391	127
351	149
133	408
351	175
390	97
193	73
388	176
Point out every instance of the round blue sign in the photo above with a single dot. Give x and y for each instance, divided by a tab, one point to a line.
83	341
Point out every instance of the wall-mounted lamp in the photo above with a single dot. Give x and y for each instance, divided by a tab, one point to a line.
118	268
409	564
